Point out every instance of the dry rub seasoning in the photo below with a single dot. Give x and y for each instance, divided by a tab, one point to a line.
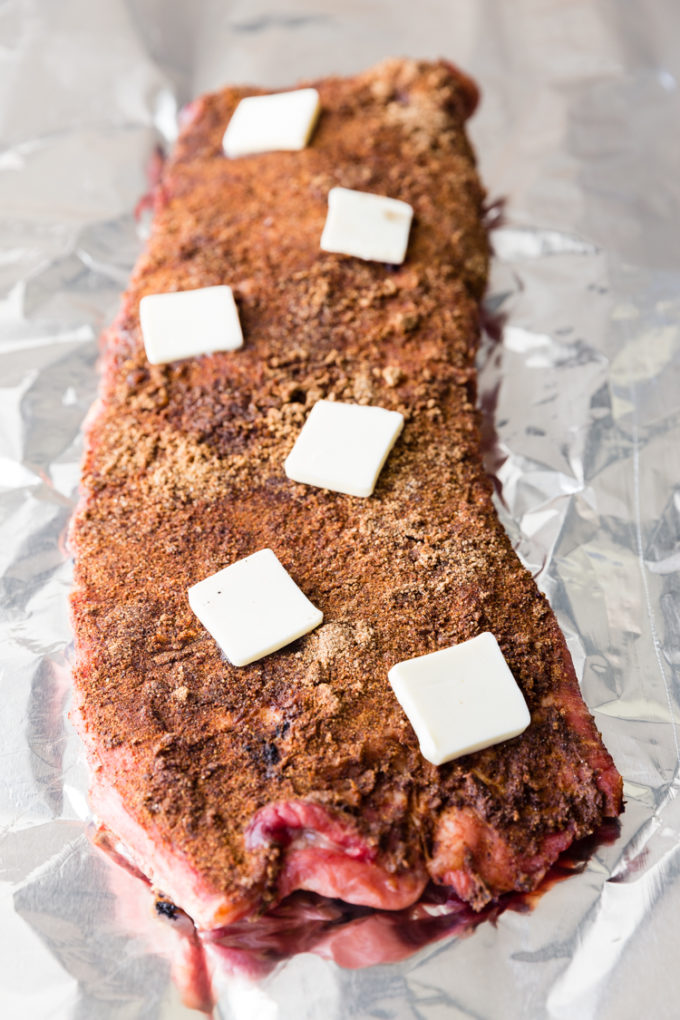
183	475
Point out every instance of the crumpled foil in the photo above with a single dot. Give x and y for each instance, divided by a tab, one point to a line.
577	131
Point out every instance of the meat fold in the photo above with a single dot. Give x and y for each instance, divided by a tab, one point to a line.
232	787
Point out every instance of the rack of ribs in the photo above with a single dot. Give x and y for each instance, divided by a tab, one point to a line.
231	787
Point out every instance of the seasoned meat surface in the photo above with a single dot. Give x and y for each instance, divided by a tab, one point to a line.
232	786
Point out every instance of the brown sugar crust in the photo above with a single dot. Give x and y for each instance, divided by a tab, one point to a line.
183	474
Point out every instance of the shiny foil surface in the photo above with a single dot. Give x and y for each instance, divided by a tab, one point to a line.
580	384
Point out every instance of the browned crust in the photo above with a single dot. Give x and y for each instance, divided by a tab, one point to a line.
184	474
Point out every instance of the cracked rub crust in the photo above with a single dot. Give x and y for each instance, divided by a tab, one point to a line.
230	787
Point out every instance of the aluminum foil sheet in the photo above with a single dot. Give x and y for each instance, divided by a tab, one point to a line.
578	132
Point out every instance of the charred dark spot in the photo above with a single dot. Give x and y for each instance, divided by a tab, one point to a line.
266	753
271	754
165	908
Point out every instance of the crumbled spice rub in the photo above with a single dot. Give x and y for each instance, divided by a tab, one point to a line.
183	474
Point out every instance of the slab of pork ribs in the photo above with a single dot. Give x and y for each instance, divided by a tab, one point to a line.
231	787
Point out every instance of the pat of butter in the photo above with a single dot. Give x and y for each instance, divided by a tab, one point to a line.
371	227
343	447
283	121
186	323
253	608
460	699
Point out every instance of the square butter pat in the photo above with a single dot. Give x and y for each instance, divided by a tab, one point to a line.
253	608
283	121
186	323
460	699
371	227
343	447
